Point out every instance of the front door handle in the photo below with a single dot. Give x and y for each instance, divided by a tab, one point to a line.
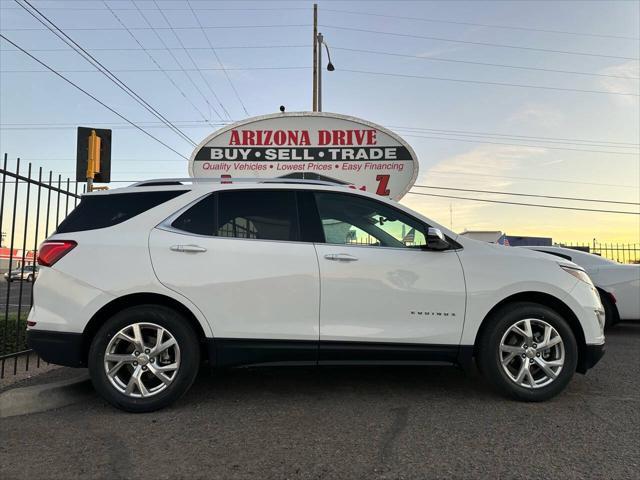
341	257
188	248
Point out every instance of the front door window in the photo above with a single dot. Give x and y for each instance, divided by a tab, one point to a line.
352	220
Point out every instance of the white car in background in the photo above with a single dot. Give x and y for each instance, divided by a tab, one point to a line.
617	283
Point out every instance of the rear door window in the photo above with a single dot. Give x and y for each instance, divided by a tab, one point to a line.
101	211
258	214
249	214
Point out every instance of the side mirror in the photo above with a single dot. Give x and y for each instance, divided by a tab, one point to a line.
436	239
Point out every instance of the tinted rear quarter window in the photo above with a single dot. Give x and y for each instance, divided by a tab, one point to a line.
101	211
199	218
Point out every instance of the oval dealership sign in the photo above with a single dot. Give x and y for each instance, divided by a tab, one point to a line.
319	146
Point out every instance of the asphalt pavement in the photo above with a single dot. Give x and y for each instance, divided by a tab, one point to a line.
14	295
343	423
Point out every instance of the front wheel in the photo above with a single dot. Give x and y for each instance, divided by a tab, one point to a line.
528	352
144	358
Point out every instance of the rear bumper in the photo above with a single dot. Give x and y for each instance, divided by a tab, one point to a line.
592	355
61	348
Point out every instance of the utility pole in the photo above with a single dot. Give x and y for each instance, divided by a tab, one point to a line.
315	58
319	101
450	216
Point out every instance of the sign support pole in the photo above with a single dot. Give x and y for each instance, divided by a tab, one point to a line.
315	58
320	39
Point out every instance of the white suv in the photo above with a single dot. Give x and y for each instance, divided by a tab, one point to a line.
142	283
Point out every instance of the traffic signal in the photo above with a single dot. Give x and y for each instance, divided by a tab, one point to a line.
93	156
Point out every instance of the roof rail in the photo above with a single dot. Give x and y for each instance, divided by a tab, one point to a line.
181	181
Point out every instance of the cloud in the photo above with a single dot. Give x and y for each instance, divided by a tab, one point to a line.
486	159
472	169
536	115
628	69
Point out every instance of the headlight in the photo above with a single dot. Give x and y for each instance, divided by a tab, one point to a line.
578	273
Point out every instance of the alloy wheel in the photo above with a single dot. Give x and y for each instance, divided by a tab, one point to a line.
142	360
532	353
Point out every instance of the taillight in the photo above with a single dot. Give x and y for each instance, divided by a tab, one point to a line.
52	251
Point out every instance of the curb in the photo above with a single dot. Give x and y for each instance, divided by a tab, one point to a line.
39	398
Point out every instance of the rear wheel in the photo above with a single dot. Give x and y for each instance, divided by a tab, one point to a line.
144	358
528	352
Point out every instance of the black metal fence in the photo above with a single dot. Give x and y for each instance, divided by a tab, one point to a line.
32	204
618	252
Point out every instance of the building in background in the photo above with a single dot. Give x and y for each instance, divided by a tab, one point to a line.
15	256
496	236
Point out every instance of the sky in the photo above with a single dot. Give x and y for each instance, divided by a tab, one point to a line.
522	97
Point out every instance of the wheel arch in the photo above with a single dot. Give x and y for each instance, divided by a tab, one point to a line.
132	300
607	296
549	301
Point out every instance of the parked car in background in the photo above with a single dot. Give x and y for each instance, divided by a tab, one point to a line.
618	284
28	274
296	272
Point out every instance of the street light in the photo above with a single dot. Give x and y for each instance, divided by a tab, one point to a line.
330	67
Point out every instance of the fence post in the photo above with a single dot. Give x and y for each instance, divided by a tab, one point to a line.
12	334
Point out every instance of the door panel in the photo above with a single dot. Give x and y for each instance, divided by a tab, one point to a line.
378	282
391	295
246	288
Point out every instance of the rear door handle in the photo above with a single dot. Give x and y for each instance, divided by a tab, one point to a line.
341	257
188	248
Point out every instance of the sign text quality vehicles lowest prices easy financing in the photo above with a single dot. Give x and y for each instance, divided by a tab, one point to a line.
322	146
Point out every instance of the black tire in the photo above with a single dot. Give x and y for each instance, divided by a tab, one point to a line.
30	278
610	312
187	341
489	357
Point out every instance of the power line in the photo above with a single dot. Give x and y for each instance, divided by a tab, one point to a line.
546	147
469	62
115	29
486	25
94	98
45	126
533	179
105	71
133	49
482	82
206	101
197	123
136	160
413	135
215	53
483	44
504	202
494	134
496	192
250	9
206	82
141	70
154	61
